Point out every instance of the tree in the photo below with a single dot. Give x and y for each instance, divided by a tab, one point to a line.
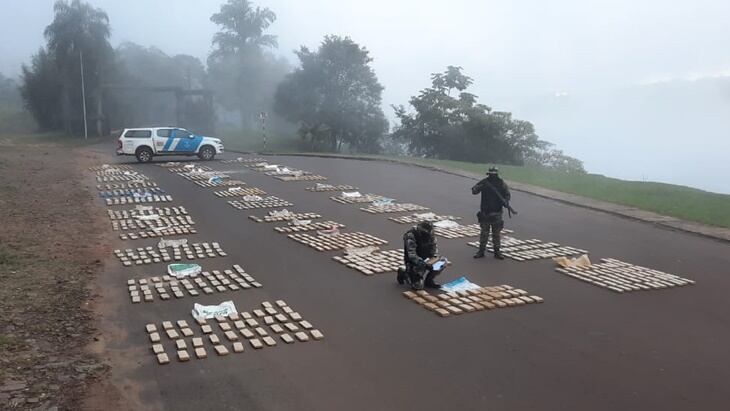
449	123
150	66
242	28
78	31
246	84
555	159
335	97
444	125
243	75
41	91
139	66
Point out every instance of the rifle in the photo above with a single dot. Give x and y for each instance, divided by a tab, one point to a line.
505	203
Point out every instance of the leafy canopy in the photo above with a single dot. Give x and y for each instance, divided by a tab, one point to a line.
335	97
242	28
51	86
449	123
41	91
76	26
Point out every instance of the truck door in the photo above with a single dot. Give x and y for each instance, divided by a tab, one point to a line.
163	140
186	141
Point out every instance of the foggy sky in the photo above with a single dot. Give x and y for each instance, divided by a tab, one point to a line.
606	81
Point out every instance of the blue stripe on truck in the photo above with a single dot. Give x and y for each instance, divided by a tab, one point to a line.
189	145
169	141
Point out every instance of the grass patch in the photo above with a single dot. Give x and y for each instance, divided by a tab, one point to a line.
672	200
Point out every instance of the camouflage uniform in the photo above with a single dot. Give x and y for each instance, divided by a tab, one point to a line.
418	246
490	213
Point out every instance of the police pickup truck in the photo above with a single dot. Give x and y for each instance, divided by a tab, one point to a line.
145	143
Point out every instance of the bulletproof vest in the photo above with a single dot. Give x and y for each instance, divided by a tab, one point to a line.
424	243
490	202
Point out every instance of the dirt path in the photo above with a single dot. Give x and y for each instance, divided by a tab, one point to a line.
52	245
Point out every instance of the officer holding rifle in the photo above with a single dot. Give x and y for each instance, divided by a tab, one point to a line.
495	197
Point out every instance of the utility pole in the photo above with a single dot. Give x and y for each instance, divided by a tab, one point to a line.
83	94
262	116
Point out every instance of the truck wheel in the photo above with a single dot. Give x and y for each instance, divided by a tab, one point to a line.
206	153
144	154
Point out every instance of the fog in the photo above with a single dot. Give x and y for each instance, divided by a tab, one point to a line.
637	90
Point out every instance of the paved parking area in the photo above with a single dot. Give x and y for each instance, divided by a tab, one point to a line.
585	347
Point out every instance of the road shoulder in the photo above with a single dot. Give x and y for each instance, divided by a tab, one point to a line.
51	249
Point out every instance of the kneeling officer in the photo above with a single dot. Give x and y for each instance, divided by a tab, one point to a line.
419	252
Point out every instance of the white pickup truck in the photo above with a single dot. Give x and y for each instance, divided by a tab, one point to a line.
145	143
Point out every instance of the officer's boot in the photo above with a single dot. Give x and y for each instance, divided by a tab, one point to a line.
497	254
416	281
401	278
480	253
430	283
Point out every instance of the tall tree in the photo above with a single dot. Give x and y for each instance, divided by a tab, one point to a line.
242	28
242	73
435	130
335	97
78	31
41	91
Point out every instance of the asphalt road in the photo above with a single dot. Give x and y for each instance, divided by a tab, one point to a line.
584	348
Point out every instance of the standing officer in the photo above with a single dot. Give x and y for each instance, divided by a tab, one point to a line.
495	196
419	250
